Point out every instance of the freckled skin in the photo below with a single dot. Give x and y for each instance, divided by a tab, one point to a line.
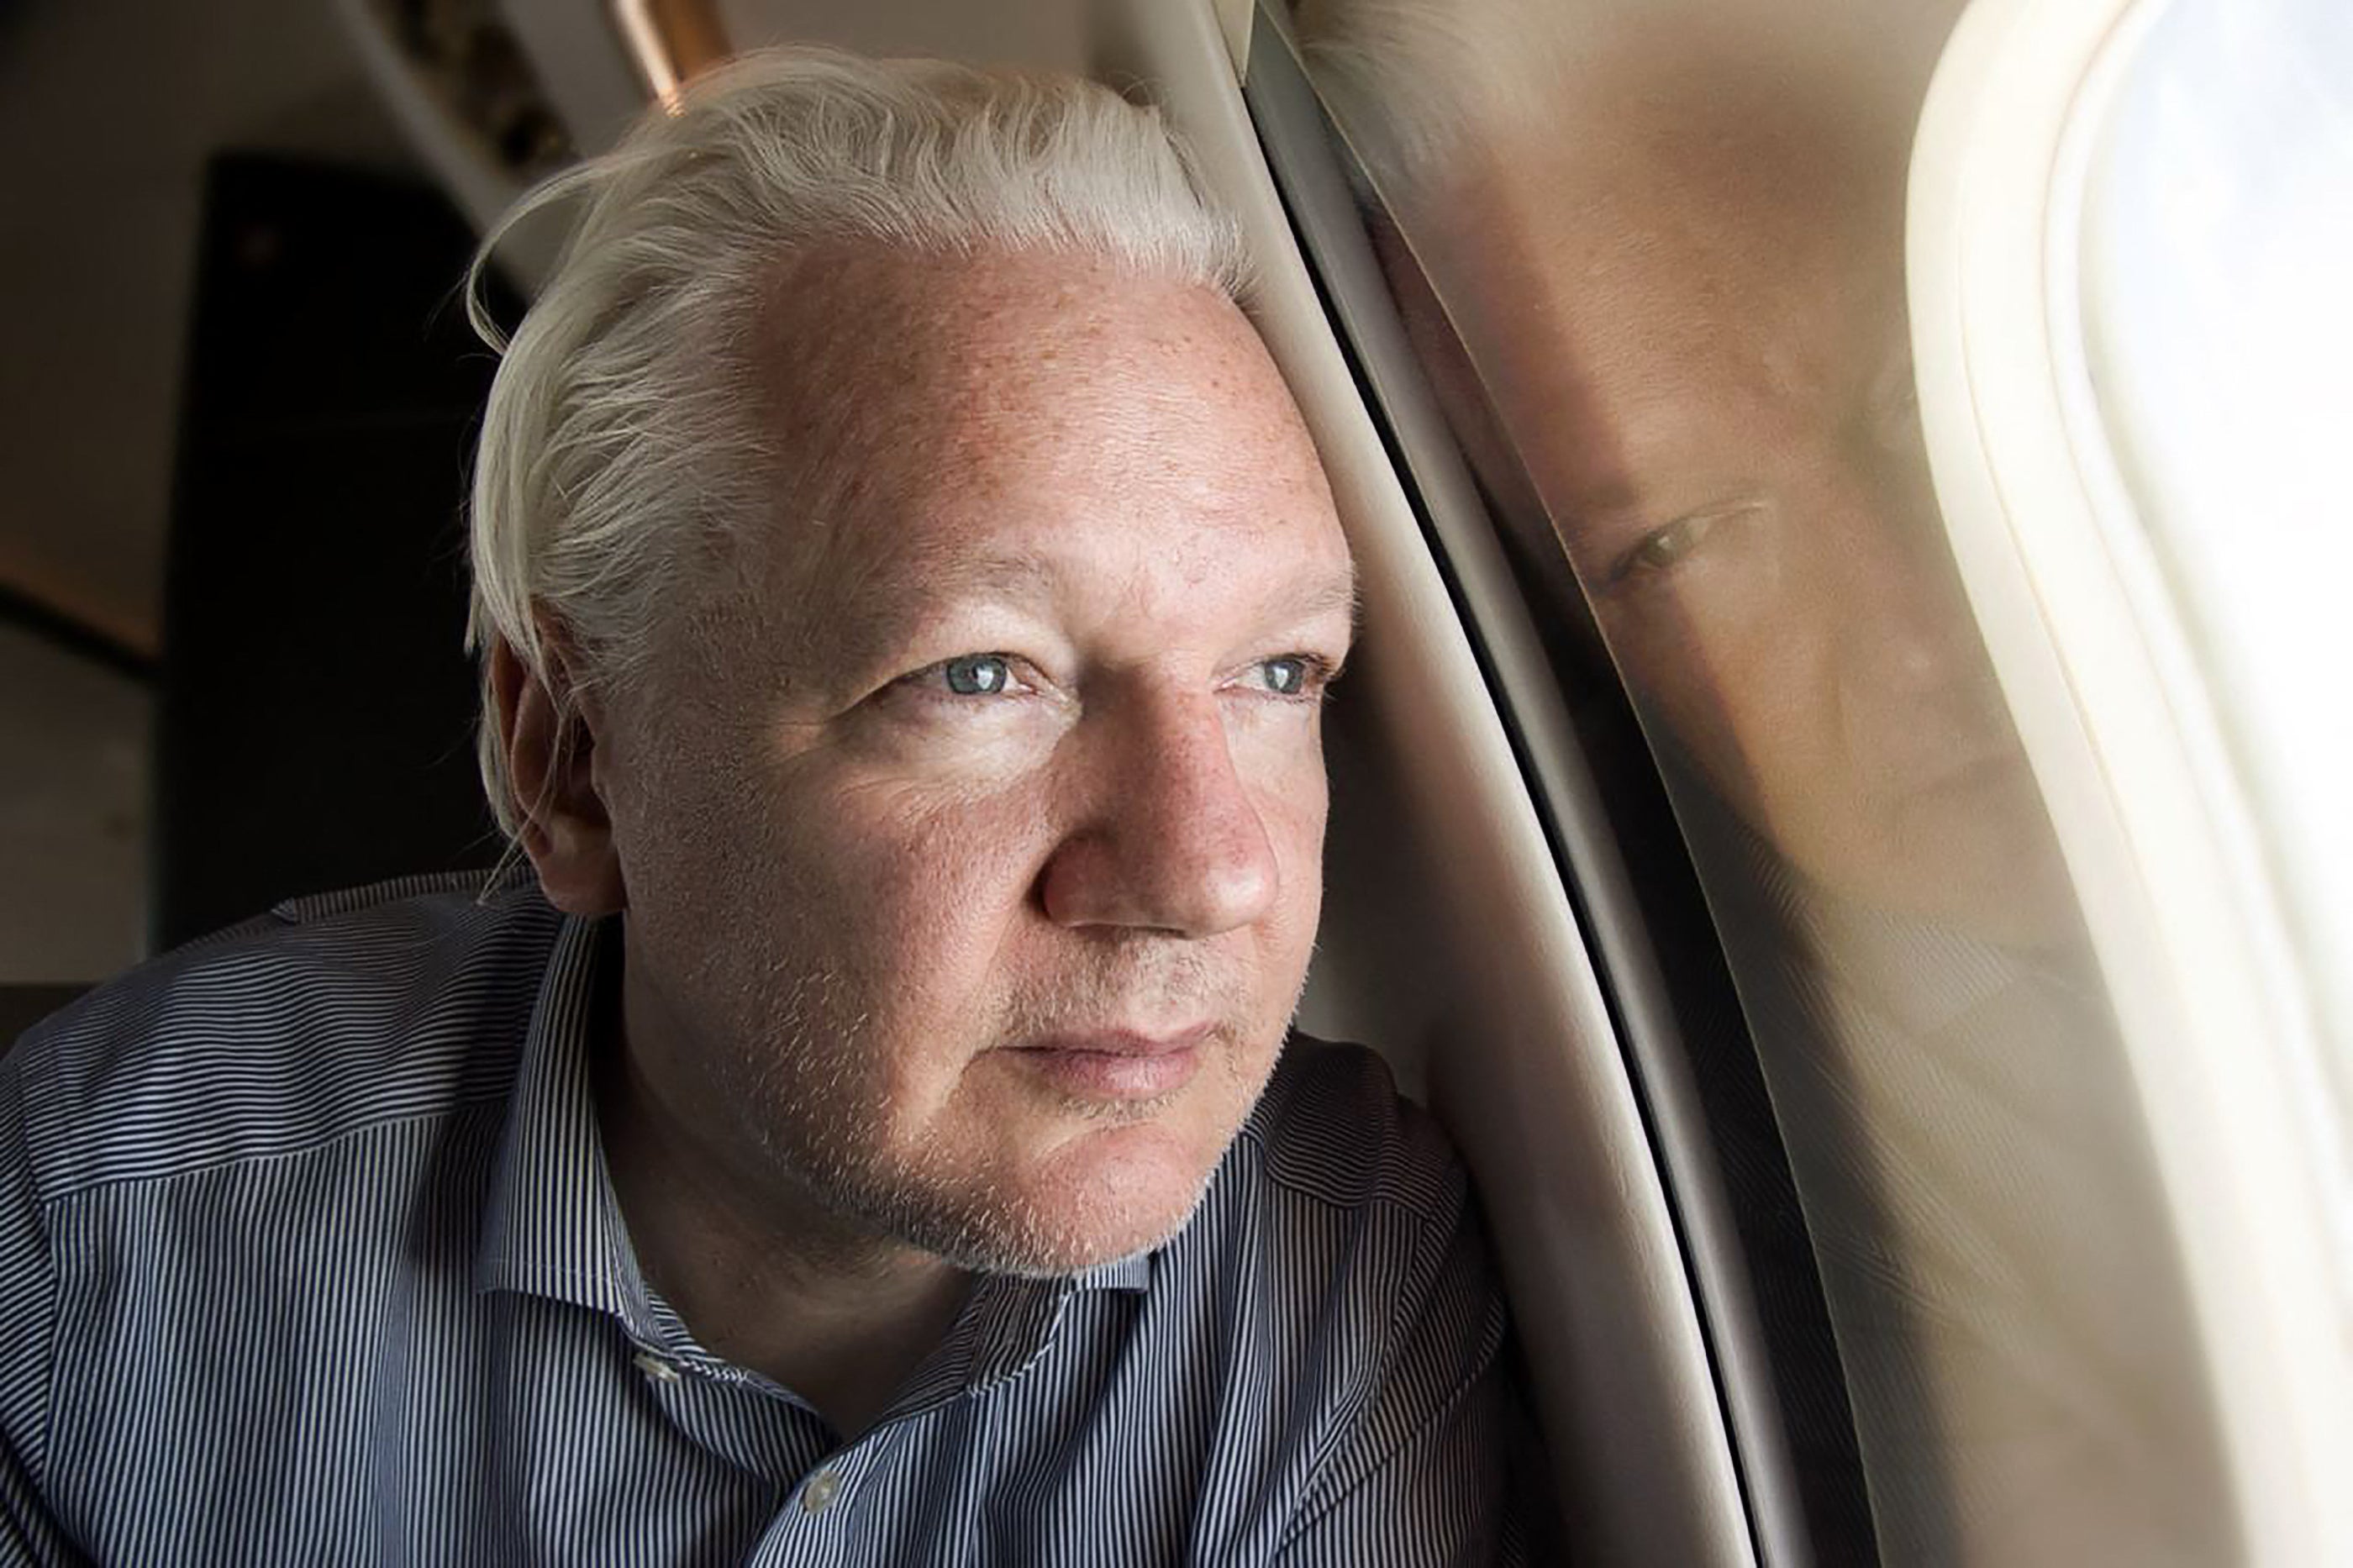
849	891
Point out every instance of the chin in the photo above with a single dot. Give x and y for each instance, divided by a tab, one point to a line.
1989	867
1109	1195
1120	1191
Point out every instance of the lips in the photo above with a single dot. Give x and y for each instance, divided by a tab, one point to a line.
1958	769
1115	1063
1957	740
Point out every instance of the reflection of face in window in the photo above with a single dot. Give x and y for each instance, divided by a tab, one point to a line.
1687	310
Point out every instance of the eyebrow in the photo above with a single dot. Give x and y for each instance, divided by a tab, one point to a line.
1616	497
1337	596
893	593
1623	496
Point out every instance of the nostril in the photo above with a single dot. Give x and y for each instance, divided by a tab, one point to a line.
1908	624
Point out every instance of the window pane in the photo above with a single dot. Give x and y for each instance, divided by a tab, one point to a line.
2219	215
1651	257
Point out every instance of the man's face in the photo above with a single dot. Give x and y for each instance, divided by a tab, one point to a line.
972	829
1690	319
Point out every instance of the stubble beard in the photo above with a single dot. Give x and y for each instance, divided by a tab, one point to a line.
808	1097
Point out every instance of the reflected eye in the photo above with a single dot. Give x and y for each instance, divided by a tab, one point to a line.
978	675
1663	549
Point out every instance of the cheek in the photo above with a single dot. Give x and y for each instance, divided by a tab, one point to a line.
890	884
1686	683
1748	689
1298	825
927	889
1292	800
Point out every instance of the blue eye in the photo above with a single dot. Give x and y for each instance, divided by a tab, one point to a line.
1285	677
978	675
1303	676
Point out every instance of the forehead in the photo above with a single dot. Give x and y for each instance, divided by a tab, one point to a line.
1017	414
1673	266
863	347
1692	243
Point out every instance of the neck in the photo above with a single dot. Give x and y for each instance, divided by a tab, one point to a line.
759	1271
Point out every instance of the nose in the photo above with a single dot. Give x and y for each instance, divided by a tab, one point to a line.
1172	841
1907	624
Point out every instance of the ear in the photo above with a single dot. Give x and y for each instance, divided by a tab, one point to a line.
549	737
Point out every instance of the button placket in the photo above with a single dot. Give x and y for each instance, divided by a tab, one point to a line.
825	1488
820	1490
655	1369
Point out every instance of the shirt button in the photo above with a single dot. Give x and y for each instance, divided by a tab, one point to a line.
822	1489
655	1368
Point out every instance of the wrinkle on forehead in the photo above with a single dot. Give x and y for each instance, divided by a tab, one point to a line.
912	387
875	356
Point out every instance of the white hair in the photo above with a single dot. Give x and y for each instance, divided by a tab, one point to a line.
1419	87
621	438
1415	83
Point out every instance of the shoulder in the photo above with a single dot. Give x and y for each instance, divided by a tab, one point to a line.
1332	1131
1344	1203
1342	1241
322	1018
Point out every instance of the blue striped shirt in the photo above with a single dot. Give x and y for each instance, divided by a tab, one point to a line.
308	1253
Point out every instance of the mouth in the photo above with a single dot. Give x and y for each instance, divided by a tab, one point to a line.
1960	739
1943	746
1115	1065
1982	773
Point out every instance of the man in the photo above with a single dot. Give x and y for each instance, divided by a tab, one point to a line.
1664	246
907	593
1675	261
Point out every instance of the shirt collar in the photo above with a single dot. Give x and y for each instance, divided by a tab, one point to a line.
552	1225
1923	974
1007	1325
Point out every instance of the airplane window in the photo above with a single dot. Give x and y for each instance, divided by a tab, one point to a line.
1652	257
2218	330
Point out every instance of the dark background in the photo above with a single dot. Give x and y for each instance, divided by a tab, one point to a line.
315	714
236	396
